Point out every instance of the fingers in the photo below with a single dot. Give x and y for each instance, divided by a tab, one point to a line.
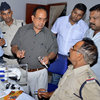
20	53
45	60
40	94
2	42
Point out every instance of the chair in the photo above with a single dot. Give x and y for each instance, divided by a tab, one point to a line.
59	66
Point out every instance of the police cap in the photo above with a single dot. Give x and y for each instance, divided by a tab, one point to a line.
4	6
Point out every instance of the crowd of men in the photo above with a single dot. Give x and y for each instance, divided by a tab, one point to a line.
22	43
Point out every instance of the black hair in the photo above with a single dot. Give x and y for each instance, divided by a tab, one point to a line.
80	6
37	8
96	7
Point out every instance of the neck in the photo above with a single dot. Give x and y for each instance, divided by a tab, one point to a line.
72	23
78	64
95	32
36	30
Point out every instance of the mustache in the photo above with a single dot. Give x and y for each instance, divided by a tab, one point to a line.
92	24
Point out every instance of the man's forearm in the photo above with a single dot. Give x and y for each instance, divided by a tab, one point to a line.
52	55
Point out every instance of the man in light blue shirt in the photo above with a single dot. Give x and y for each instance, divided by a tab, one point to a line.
69	29
94	34
2	43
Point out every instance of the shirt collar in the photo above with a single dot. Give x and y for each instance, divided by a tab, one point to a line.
81	69
31	27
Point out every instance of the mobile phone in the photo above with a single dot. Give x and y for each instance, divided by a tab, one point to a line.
36	92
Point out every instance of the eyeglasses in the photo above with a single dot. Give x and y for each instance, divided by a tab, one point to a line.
72	48
41	19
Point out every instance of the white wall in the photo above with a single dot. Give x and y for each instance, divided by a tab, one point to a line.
71	3
19	6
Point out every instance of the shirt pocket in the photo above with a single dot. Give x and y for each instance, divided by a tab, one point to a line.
77	35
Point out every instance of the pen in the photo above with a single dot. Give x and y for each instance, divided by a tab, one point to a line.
41	58
45	65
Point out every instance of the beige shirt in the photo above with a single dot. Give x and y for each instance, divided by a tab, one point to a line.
71	83
9	32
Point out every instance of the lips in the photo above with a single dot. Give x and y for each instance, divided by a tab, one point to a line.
92	25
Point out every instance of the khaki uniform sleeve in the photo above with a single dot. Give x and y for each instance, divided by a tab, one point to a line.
91	91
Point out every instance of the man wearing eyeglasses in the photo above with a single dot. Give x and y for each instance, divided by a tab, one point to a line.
69	30
34	41
79	82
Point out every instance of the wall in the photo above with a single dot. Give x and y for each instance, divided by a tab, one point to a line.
71	3
19	6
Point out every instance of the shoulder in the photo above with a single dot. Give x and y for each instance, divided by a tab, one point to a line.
46	30
83	24
89	33
87	76
90	88
18	21
26	27
1	23
60	19
48	33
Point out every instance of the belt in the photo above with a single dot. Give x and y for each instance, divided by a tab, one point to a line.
9	56
33	70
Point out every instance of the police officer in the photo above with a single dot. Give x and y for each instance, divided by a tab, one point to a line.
79	82
9	27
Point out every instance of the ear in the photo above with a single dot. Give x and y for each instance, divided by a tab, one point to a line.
80	57
32	17
11	12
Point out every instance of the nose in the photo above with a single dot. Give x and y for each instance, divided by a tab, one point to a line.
91	20
43	20
7	15
76	15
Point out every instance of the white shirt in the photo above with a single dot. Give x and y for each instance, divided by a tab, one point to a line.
96	39
67	34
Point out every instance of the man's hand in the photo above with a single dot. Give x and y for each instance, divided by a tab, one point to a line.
44	60
17	52
2	42
20	53
44	93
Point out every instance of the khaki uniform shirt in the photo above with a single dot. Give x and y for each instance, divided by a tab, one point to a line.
71	83
9	32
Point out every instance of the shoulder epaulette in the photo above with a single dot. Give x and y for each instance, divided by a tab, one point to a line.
90	80
87	81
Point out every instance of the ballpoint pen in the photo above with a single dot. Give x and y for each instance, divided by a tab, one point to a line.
41	58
